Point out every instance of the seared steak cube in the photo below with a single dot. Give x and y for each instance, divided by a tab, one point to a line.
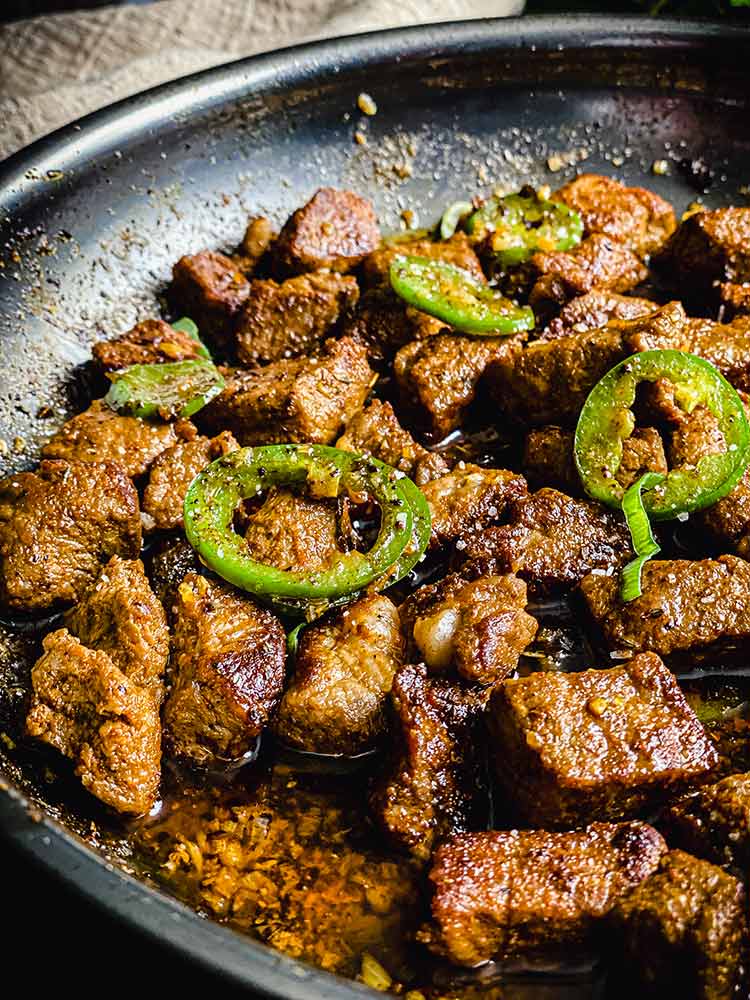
293	532
479	628
384	323
631	215
531	892
149	343
211	289
551	541
714	823
457	251
84	706
436	786
593	311
683	931
709	248
120	615
169	565
285	320
438	376
99	434
58	525
303	400
600	744
334	230
336	701
228	661
173	472
469	498
687	612
376	431
548	381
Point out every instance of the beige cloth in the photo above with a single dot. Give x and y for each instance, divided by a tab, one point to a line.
55	69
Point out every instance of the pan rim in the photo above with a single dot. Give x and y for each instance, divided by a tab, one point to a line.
146	908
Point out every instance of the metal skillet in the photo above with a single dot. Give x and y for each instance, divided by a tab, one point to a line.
92	217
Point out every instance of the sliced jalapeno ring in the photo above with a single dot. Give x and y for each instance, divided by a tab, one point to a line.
452	216
645	545
186	325
606	420
214	494
454	296
174	389
517	225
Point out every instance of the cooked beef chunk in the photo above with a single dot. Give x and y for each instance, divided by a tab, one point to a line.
101	435
303	400
293	532
228	660
334	230
715	822
500	894
696	435
731	737
457	251
551	541
438	376
210	288
631	215
58	525
437	785
600	744
687	612
151	342
548	381
593	311
85	707
468	498
598	263
173	472
683	931
169	566
286	320
735	299
121	616
384	323
257	239
548	457
709	248
336	701
479	628
376	431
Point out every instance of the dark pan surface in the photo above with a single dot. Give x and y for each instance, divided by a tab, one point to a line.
92	218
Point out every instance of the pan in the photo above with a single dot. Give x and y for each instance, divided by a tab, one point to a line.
92	217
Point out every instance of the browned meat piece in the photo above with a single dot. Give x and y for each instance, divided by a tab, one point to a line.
121	616
336	701
283	321
228	660
149	343
173	472
695	436
293	532
376	431
210	288
528	892
58	525
101	435
682	932
302	400
169	566
548	381
548	457
334	230
384	323
258	237
438	376
85	707
735	299
600	744
631	215
457	251
593	311
551	541
480	628
715	822
709	248
731	737
689	610
598	263
437	786
468	498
